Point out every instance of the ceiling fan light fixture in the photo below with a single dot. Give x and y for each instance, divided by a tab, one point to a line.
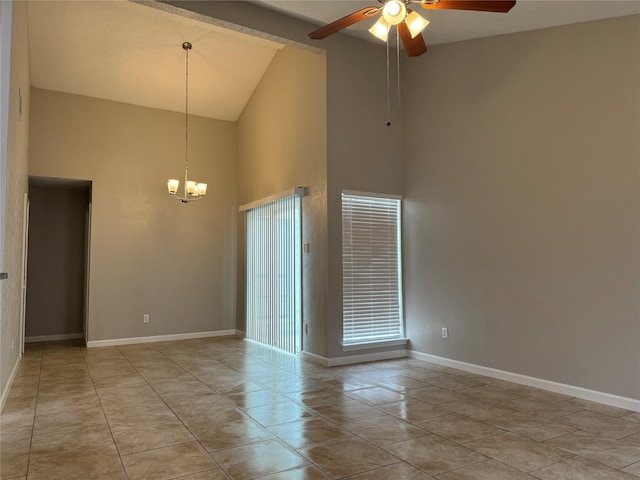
416	23
380	29
394	12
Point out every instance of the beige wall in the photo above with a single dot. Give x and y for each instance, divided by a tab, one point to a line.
16	187
522	218
282	144
56	262
520	176
150	252
362	153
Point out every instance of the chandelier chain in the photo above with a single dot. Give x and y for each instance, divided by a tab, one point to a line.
186	112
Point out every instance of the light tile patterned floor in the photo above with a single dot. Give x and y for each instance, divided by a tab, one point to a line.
215	409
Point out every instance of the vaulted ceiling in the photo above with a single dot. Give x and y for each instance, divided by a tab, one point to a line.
132	52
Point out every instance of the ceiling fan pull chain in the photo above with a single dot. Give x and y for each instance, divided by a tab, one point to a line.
398	59
388	89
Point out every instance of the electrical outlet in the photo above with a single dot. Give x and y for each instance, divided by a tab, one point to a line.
146	318
306	328
445	333
13	345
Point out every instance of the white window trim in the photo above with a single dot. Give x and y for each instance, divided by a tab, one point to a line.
348	347
297	191
371	194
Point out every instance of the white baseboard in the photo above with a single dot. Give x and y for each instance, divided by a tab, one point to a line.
579	392
367	357
313	358
159	338
54	338
12	377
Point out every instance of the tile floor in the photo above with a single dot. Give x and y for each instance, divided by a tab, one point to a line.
214	409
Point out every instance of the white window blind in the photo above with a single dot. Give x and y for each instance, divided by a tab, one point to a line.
372	287
273	305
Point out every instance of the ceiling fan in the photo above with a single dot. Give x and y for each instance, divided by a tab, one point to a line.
410	24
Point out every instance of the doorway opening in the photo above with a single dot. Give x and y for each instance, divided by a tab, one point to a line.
57	259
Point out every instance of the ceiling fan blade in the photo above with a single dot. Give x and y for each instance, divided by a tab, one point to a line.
413	46
344	22
498	6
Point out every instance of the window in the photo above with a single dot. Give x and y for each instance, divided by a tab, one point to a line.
371	268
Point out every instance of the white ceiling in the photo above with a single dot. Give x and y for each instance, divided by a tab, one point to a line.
452	26
132	53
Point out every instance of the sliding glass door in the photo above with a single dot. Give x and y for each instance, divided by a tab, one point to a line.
273	309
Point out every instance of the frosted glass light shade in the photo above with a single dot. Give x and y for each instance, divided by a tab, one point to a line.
380	29
394	12
416	23
193	189
172	185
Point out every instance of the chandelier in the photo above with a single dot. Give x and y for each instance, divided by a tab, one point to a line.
192	189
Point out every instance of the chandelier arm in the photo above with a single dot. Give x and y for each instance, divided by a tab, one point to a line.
188	199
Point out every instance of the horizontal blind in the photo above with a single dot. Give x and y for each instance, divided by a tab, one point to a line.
372	289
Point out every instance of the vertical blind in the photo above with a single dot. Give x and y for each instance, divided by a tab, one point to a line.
273	274
372	288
